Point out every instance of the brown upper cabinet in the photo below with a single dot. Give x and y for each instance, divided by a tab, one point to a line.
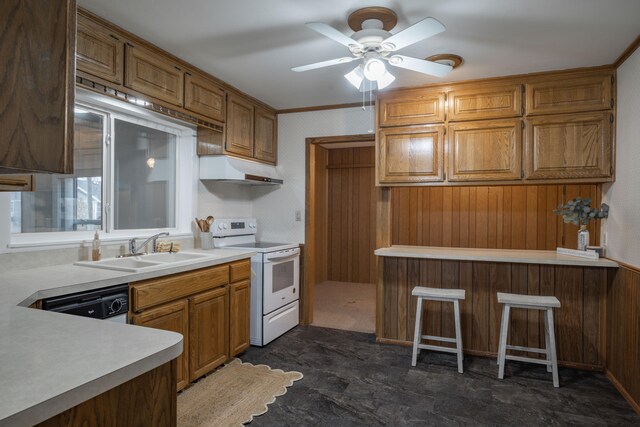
569	146
99	50
239	126
203	96
485	102
36	119
569	95
152	74
412	107
16	182
411	154
489	150
265	146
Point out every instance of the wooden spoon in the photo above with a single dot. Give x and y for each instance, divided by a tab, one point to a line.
209	222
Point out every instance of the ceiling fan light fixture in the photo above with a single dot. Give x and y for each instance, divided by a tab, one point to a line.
374	69
355	76
385	80
395	60
388	46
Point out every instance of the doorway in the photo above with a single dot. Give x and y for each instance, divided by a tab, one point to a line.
341	232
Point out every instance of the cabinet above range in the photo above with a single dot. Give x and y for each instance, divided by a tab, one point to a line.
535	129
115	62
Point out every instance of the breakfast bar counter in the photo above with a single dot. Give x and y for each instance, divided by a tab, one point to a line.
579	283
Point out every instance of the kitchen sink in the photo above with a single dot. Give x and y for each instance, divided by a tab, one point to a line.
139	263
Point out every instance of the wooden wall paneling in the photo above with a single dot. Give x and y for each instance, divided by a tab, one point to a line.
518	333
426	217
535	337
593	285
466	306
482	214
480	298
390	305
382	239
472	217
508	203
500	281
455	216
450	280
568	318
403	300
435	216
531	217
464	217
431	276
413	280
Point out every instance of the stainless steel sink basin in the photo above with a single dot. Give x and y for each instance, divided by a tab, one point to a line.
146	262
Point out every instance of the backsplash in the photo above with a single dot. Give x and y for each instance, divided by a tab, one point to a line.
50	257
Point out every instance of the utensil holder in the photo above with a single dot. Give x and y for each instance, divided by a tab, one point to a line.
206	240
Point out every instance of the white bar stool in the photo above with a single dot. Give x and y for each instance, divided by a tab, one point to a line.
436	294
531	302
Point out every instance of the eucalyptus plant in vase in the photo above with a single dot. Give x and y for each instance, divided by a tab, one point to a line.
578	211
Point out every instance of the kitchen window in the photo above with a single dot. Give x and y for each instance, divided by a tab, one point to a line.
132	176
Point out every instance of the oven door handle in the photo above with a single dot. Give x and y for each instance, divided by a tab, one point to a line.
272	258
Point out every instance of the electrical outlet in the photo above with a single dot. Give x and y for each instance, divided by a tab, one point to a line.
298	216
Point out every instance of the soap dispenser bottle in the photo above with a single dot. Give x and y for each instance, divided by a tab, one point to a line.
95	251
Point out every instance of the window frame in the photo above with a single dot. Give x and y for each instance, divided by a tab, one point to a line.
185	180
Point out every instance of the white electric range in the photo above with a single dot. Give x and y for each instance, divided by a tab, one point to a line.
275	277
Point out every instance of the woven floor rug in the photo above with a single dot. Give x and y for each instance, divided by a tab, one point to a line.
233	395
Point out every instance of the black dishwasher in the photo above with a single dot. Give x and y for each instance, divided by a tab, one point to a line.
110	303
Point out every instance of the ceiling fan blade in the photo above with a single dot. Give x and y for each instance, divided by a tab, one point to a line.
420	65
332	33
424	29
328	63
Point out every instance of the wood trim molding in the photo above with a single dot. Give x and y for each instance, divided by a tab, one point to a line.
627	53
366	137
319	108
627	266
623	391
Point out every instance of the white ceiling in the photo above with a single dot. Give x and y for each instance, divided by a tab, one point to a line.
252	44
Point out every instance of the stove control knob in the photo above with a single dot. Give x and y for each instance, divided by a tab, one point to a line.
219	226
116	306
224	226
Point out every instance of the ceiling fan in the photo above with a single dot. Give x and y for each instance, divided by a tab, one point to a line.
376	46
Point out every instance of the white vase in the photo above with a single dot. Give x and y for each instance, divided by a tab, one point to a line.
583	238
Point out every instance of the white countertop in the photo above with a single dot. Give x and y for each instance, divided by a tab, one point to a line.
491	255
50	362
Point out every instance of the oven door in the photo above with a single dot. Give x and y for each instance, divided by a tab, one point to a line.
281	279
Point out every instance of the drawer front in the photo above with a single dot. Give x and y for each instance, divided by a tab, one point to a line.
279	322
240	270
153	292
16	183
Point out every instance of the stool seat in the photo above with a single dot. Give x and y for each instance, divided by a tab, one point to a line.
425	294
531	301
438	294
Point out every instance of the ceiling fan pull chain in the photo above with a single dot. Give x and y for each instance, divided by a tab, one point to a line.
370	106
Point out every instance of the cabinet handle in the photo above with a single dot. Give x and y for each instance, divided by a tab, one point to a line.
130	45
177	68
13	182
114	37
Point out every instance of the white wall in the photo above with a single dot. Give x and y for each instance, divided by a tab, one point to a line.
275	208
622	229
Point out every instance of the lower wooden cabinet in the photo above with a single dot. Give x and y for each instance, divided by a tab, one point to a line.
170	317
569	146
239	314
411	154
208	331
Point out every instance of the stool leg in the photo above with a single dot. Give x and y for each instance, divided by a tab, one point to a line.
502	349
552	347
546	340
456	313
417	334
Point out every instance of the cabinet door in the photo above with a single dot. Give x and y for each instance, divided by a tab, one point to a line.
569	146
37	85
16	183
485	102
204	97
99	51
170	317
411	107
239	126
152	74
485	150
239	309
569	95
208	331
410	154
265	140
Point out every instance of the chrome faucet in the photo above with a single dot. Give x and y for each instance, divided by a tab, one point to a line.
135	250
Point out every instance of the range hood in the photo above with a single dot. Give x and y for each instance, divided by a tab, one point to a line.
230	169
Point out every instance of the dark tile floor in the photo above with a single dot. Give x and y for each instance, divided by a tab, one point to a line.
349	380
